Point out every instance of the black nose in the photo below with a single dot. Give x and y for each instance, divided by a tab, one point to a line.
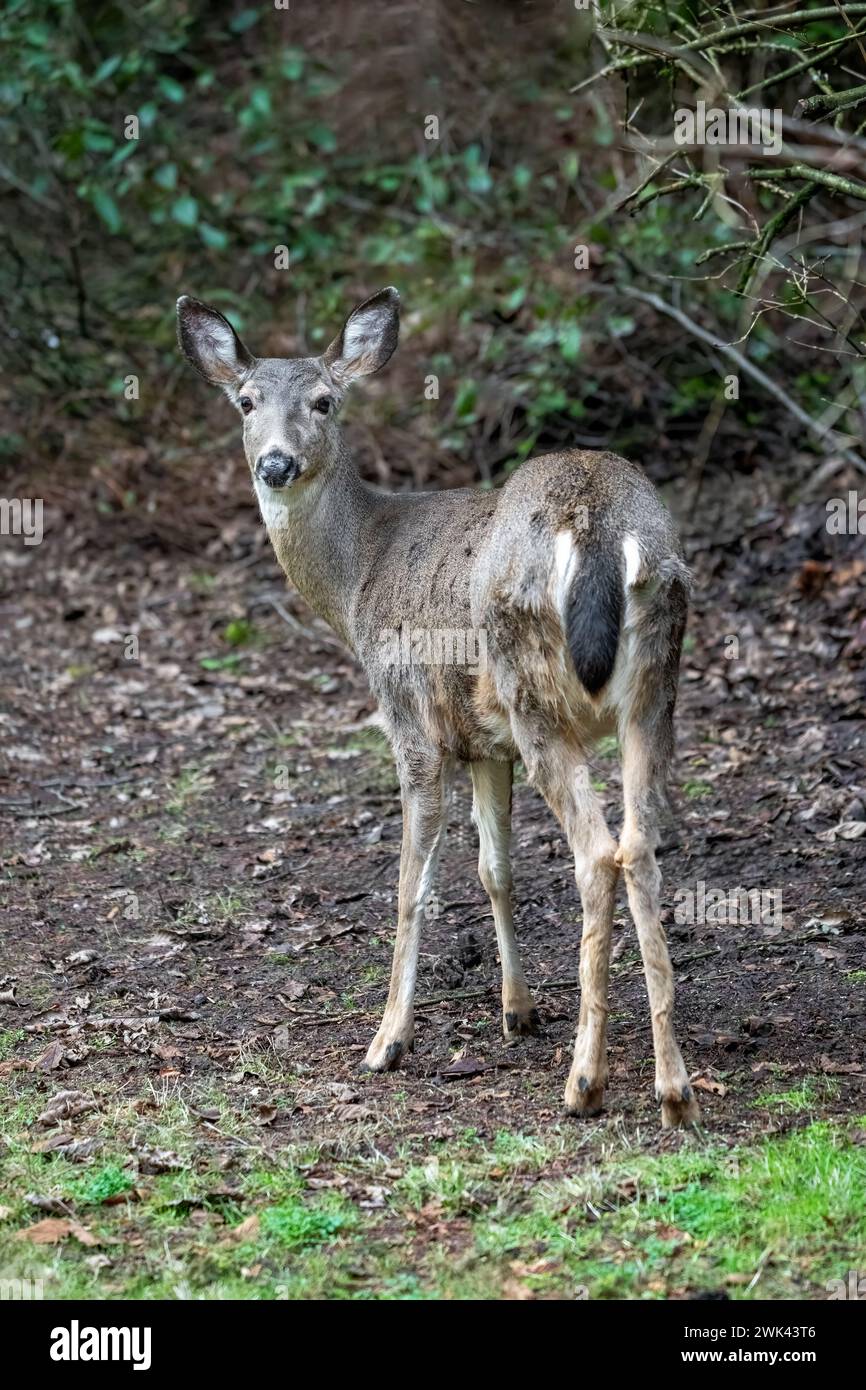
276	468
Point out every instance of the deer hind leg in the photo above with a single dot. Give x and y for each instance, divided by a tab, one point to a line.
563	779
422	782
646	749
491	812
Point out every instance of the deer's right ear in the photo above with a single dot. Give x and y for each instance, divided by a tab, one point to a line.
208	341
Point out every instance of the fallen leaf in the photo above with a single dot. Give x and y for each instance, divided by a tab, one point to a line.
54	1229
51	1057
247	1230
706	1083
841	1068
464	1066
63	1106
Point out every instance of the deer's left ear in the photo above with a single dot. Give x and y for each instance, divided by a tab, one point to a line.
368	338
208	341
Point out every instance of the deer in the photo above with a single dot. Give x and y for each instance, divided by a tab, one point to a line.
571	571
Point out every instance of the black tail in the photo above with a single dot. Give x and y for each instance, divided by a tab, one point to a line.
594	613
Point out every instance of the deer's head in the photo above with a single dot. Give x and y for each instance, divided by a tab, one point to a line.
289	405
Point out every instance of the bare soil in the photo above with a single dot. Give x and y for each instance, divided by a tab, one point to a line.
200	861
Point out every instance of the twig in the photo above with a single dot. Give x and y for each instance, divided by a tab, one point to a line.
823	103
823	176
774	226
754	26
814	57
744	365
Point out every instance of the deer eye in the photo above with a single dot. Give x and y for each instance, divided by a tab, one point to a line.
323	405
246	404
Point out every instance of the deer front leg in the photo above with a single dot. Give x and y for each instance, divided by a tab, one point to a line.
423	820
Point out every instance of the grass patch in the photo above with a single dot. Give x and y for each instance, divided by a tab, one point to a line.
694	790
566	1212
100	1185
295	1225
802	1099
777	1220
9	1041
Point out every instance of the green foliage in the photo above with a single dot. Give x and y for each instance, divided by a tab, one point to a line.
100	1185
150	151
297	1225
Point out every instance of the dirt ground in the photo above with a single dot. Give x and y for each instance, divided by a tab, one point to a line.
201	835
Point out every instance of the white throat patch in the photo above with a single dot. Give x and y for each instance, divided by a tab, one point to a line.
271	505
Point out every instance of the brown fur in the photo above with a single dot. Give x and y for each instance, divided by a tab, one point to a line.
503	565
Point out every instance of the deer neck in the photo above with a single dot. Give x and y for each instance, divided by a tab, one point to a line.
318	528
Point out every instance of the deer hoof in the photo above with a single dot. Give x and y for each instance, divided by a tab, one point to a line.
520	1023
584	1096
383	1055
679	1107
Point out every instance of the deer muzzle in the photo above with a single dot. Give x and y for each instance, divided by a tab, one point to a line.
276	469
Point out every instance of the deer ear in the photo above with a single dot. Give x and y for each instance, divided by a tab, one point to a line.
368	338
208	341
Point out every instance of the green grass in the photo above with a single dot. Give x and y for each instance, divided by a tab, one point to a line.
800	1099
297	1225
9	1041
566	1212
98	1186
187	787
694	790
790	1212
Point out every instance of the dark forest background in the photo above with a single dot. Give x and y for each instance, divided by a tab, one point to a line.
305	128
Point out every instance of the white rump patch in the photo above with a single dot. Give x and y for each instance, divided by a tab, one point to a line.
633	559
564	566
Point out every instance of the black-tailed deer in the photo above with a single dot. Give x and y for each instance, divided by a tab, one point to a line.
570	582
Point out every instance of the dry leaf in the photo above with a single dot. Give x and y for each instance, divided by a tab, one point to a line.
51	1057
353	1111
54	1229
63	1106
247	1230
841	1068
706	1083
